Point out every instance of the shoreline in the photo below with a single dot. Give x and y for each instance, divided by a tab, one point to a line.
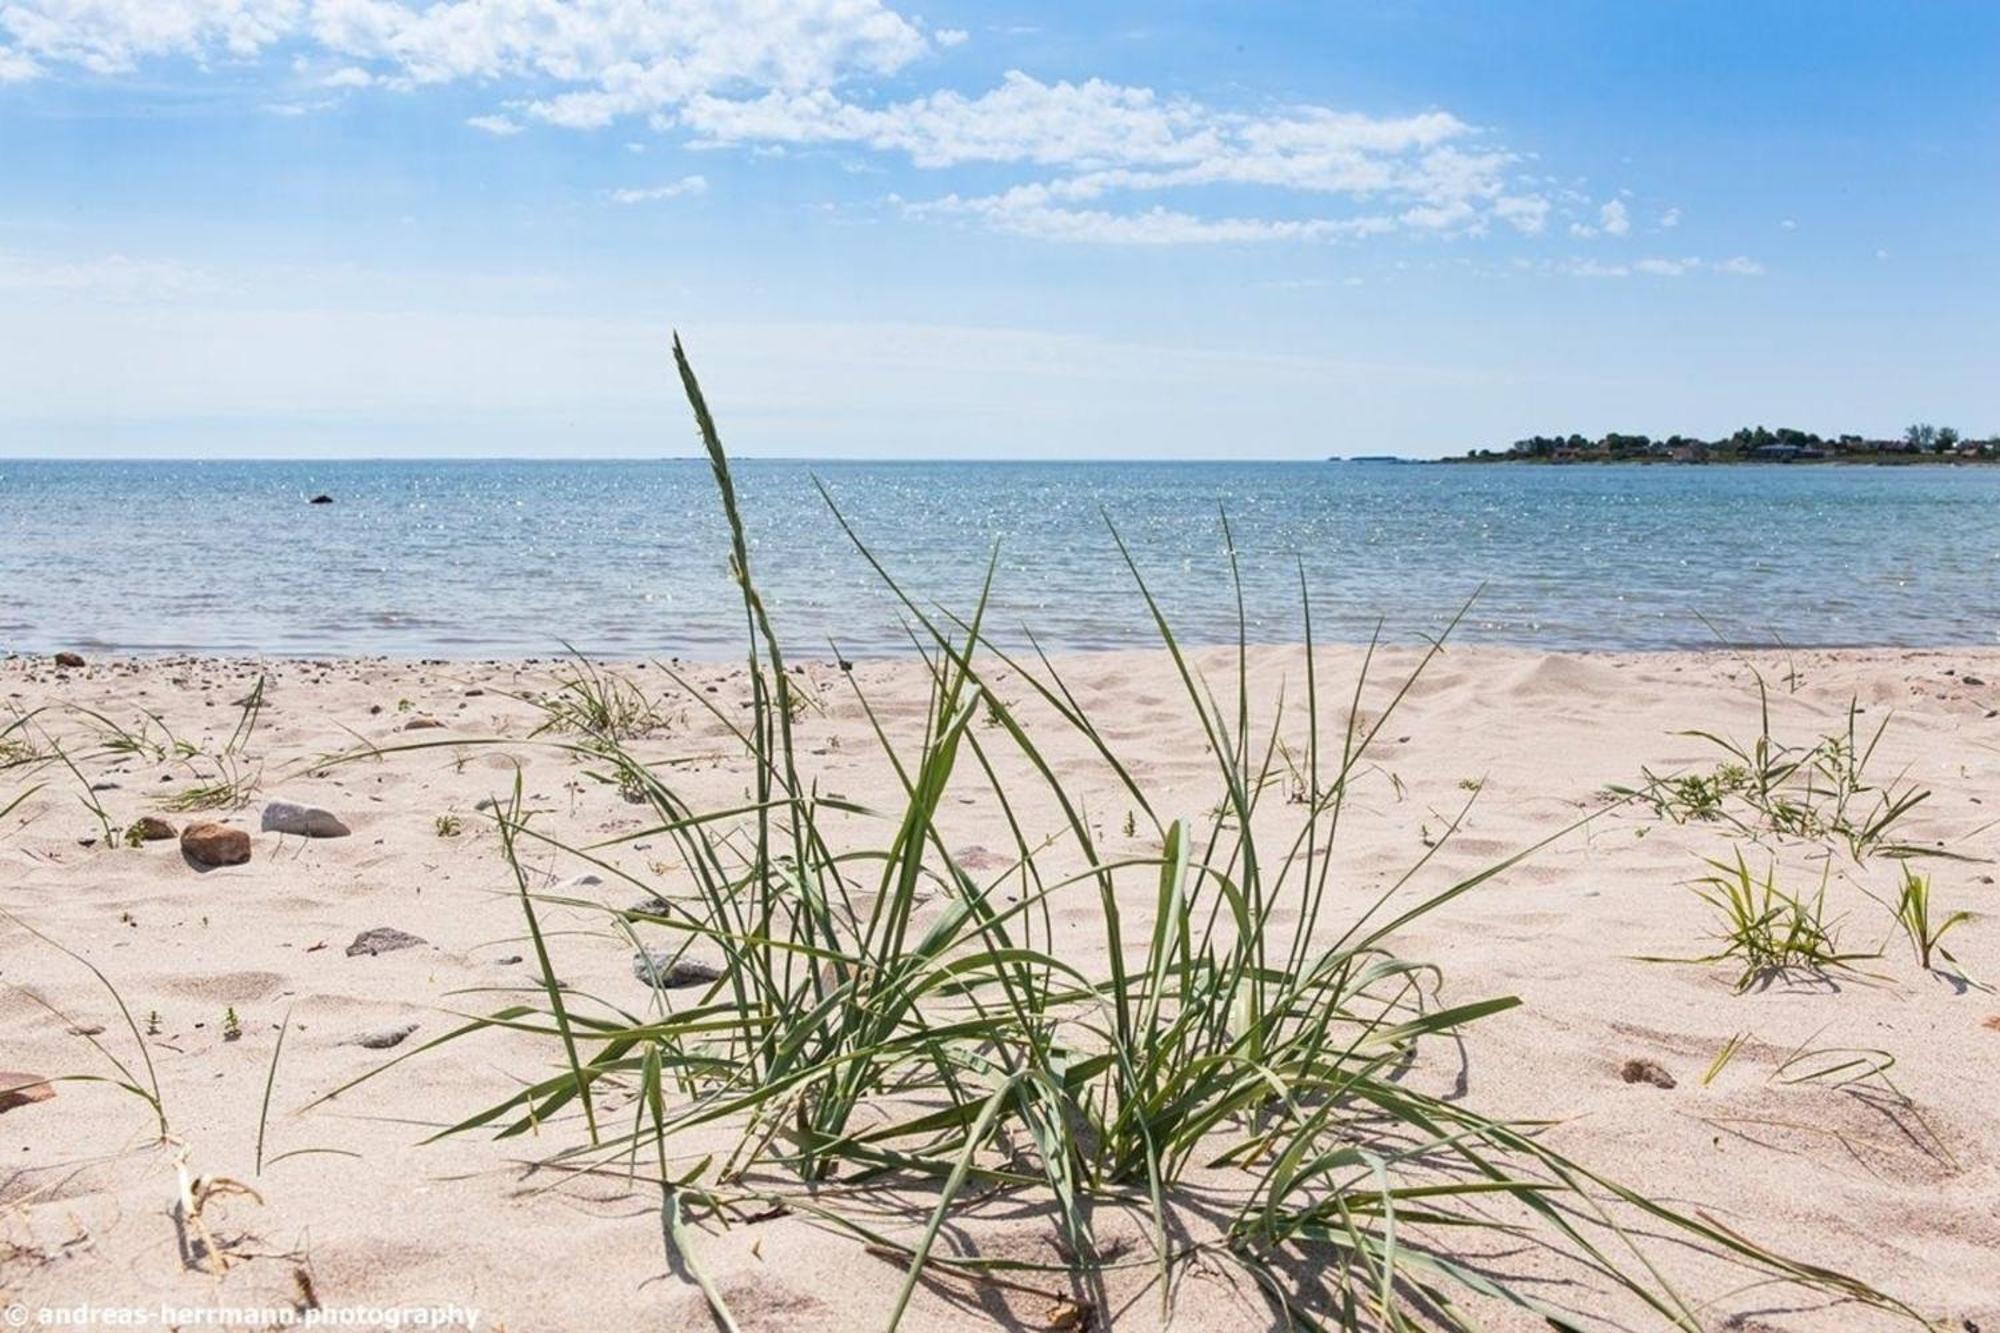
1507	746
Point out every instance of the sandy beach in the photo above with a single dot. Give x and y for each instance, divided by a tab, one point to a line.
1887	1172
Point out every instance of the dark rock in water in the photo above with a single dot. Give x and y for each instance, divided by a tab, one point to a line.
215	845
70	661
1645	1071
382	939
381	1039
663	971
321	500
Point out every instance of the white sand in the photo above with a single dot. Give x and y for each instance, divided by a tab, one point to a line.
1904	1196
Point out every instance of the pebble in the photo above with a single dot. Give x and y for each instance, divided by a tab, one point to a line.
422	724
151	828
1646	1071
71	661
215	845
17	1089
308	821
663	971
382	1038
382	939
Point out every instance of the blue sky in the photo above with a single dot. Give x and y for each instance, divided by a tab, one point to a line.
391	227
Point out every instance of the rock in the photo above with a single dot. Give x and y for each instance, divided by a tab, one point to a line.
215	845
18	1089
1973	681
382	939
662	971
320	500
1645	1071
654	906
382	1038
508	961
307	821
150	828
70	661
422	724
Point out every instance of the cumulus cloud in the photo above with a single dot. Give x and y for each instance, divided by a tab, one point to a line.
765	74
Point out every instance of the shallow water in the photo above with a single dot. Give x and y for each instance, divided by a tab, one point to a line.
463	559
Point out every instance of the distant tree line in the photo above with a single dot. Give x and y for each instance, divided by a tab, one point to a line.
1751	443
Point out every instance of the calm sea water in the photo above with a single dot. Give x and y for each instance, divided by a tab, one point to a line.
512	558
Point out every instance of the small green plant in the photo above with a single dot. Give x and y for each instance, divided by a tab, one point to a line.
601	705
405	705
1131	828
153	1023
449	826
232	1026
1913	914
1765	930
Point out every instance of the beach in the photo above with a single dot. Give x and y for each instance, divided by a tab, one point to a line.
1887	1170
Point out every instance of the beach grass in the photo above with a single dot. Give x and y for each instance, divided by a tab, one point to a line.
1230	1060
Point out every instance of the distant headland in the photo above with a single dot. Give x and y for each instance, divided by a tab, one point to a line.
1921	443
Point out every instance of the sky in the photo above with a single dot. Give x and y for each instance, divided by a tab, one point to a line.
938	228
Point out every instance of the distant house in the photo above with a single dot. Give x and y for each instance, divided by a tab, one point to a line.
1777	453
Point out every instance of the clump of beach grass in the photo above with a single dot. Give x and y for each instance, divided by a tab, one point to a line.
1767	789
601	705
1764	930
1233	1050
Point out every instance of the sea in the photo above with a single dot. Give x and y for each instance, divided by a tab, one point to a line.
626	559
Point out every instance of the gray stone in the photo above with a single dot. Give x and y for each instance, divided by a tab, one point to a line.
382	939
661	970
307	821
382	1038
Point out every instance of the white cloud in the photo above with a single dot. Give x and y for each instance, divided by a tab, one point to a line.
771	74
1665	268
1741	265
1788	225
672	190
15	67
1528	214
1612	220
1026	212
112	36
111	277
1653	267
1670	219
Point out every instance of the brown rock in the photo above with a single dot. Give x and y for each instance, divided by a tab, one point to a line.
18	1089
215	845
422	724
1646	1071
151	828
73	661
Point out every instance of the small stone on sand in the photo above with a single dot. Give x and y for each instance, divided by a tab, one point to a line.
382	939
